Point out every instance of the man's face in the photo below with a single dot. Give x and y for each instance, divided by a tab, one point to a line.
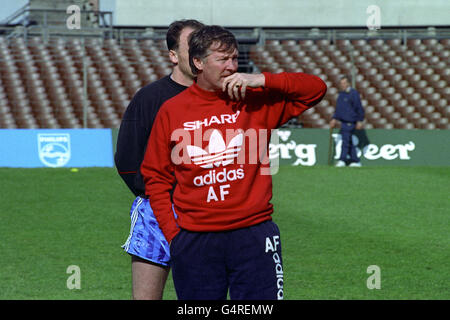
182	53
216	67
343	84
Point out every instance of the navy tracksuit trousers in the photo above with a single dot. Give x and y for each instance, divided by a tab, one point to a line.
247	262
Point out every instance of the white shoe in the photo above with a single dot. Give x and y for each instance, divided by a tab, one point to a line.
355	164
340	163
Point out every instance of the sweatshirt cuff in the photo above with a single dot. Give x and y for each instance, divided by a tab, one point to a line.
268	79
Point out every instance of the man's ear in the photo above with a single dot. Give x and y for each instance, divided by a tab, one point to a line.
198	63
173	56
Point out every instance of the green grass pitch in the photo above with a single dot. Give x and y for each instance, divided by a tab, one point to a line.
334	222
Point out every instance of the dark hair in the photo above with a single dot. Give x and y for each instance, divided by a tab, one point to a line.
174	31
201	40
346	77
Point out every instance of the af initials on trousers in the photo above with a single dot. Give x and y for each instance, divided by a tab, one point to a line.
246	261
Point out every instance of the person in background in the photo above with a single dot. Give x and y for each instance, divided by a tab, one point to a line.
146	244
350	113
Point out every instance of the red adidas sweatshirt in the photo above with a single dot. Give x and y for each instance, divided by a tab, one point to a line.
216	150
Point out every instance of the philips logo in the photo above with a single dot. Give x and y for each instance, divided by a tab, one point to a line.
54	149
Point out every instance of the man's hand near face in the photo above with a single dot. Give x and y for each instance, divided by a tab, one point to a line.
237	83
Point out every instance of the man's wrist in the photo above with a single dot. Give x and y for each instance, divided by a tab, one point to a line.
262	79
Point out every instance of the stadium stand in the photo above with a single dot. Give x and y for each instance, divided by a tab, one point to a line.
402	85
54	79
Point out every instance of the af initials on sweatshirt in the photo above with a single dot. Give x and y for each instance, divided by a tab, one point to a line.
209	145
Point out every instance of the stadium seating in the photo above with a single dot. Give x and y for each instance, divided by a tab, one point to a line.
42	85
402	85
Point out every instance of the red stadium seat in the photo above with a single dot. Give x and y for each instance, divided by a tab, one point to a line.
445	43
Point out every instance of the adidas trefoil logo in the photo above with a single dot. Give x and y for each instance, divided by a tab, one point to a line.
217	152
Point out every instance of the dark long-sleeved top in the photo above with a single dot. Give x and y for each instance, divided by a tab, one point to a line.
135	130
349	107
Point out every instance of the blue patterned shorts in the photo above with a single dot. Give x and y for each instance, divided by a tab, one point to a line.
146	239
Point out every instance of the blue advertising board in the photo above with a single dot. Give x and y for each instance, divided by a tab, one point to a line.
32	148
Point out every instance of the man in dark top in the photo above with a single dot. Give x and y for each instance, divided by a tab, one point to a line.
350	113
146	244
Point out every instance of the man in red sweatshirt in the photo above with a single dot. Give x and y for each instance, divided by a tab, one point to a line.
211	140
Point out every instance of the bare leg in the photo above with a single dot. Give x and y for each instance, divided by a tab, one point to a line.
148	279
